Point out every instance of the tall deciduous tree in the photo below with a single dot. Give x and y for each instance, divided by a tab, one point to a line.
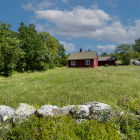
125	52
33	44
51	44
10	53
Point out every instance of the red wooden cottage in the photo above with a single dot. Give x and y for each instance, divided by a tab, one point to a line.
106	60
83	59
89	59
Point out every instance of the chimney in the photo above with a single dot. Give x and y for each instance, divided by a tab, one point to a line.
81	50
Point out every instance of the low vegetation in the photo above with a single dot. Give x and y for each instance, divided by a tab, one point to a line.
117	86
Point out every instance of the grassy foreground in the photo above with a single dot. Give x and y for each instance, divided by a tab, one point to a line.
117	86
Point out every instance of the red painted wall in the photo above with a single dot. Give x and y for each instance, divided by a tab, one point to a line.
81	63
102	63
95	61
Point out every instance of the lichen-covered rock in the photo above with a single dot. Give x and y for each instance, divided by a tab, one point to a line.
6	112
81	111
66	109
49	110
134	62
93	110
24	110
98	110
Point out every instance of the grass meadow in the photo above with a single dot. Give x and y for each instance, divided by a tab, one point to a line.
118	86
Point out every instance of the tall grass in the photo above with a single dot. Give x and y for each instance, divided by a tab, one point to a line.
72	86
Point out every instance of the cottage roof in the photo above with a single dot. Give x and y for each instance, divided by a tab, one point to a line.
82	55
110	58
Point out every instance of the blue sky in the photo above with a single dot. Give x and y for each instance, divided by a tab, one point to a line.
76	24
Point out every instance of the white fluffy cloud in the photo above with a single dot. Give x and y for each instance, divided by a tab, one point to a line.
106	47
69	47
28	6
65	1
95	5
44	4
76	23
89	23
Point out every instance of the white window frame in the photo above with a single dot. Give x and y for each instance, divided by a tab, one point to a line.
87	61
95	61
73	64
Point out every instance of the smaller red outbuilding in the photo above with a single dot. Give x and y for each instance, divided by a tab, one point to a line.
83	59
106	60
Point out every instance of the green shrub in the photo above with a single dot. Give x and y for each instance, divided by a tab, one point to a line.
126	61
61	127
51	65
128	126
129	103
106	65
60	65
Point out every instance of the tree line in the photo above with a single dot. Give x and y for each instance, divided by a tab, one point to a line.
124	52
29	50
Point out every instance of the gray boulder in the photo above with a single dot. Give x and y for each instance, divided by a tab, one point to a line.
98	110
6	112
134	62
49	110
93	110
66	109
81	111
24	110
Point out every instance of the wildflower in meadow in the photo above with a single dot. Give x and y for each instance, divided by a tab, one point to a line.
90	129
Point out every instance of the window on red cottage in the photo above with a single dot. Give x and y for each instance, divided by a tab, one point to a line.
87	62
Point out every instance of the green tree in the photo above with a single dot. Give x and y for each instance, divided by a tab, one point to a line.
136	46
51	44
42	55
125	53
115	54
10	53
33	44
63	58
104	54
